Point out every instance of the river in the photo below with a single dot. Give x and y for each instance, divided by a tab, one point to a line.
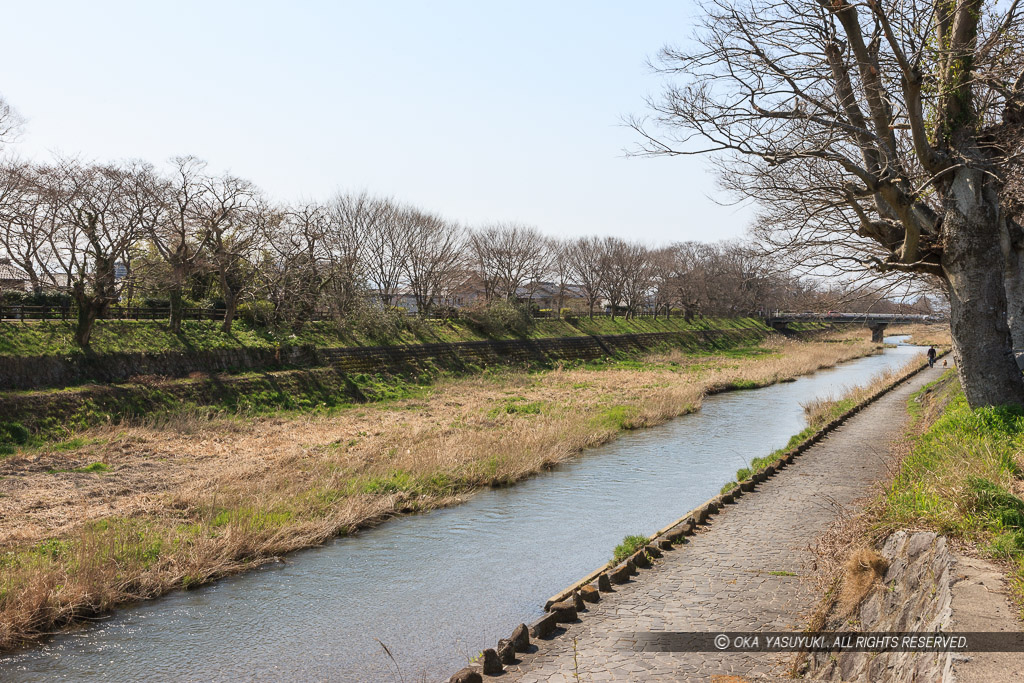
437	588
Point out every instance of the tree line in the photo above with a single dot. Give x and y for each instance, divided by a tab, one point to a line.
104	233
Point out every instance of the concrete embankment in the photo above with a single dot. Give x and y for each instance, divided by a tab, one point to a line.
137	383
35	372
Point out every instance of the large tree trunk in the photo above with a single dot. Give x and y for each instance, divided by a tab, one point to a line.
230	308
982	346
177	290
88	311
176	309
1013	277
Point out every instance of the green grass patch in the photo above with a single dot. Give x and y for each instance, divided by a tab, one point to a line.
56	337
93	468
517	405
615	418
960	477
629	545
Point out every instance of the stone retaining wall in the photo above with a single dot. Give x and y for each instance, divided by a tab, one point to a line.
915	595
324	375
36	372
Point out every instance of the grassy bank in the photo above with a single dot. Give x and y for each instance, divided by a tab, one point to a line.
964	477
60	414
38	338
131	511
925	335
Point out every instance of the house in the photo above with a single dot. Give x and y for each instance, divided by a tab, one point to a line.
13	278
547	295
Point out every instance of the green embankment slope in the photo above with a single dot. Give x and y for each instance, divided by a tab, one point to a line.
56	337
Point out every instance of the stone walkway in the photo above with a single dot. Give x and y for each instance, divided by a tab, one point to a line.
748	571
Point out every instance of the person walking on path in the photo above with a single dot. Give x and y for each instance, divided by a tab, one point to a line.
931	356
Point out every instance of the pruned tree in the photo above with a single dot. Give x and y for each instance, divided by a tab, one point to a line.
228	213
878	129
587	267
101	211
434	250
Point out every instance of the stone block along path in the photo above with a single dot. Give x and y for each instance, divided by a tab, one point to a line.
751	569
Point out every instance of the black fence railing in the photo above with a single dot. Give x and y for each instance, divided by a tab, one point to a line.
59	312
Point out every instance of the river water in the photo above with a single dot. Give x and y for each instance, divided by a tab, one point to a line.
439	587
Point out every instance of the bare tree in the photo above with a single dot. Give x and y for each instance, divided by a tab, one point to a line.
228	212
613	260
27	219
663	274
182	238
561	270
434	251
587	267
877	128
508	257
11	122
294	269
636	278
384	249
350	218
101	211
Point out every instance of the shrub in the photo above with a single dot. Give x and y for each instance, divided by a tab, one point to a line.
19	298
379	324
13	433
256	313
499	317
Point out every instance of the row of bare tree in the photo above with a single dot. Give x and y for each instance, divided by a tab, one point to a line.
97	230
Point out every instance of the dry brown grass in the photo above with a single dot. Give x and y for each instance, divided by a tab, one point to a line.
863	570
820	411
925	335
188	499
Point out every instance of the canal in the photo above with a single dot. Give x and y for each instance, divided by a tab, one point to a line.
439	587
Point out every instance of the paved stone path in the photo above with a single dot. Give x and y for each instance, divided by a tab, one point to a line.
722	579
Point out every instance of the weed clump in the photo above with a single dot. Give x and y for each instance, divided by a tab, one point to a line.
12	435
862	571
629	545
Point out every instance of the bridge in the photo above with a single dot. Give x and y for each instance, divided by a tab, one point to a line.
876	322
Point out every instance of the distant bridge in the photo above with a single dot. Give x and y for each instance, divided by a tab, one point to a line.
876	322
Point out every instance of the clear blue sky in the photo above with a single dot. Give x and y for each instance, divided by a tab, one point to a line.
482	111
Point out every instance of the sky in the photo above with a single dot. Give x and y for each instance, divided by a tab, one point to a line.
481	111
